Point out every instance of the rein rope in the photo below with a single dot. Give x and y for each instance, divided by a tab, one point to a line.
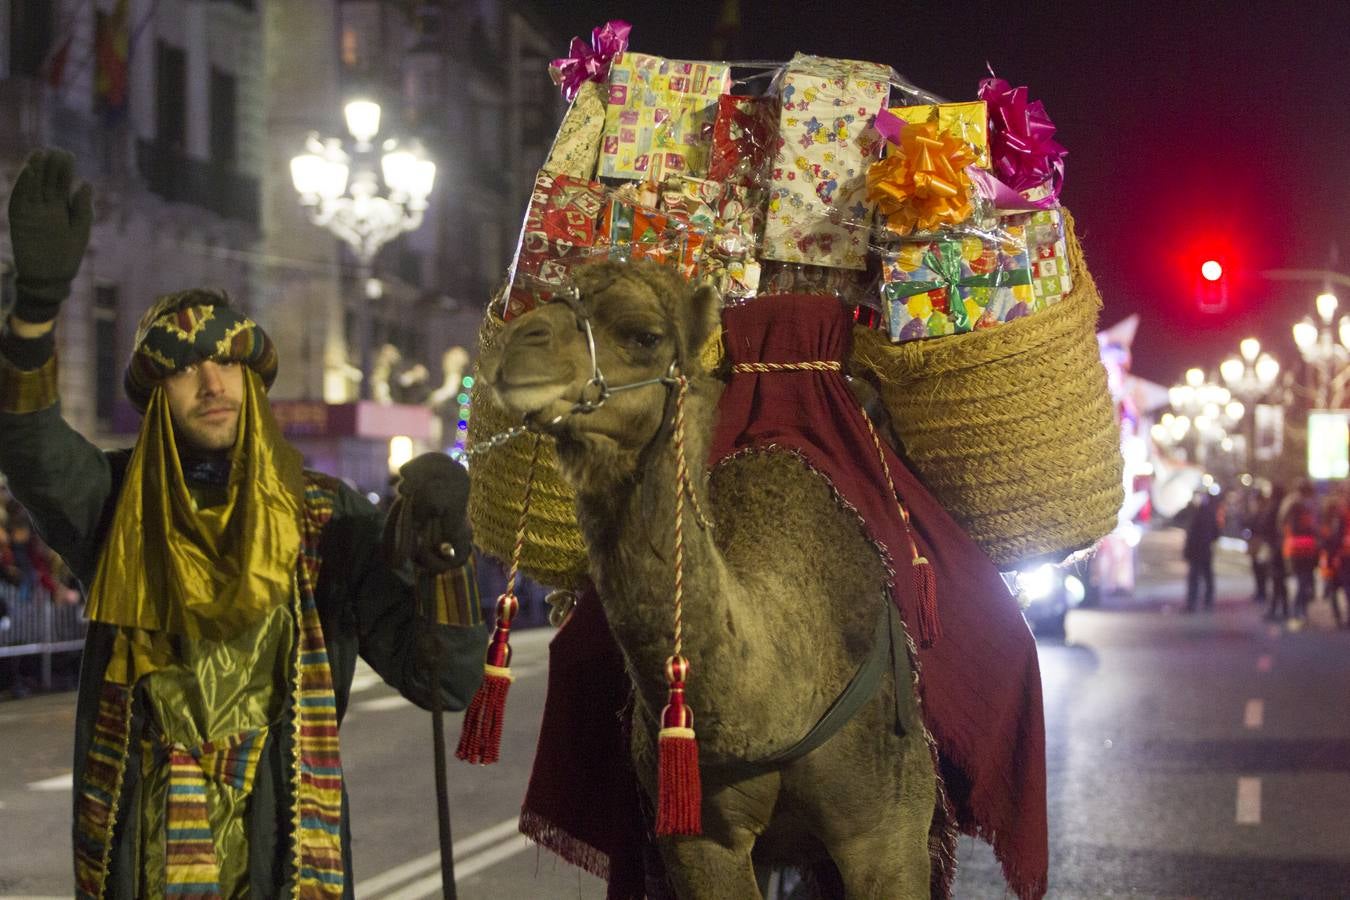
481	739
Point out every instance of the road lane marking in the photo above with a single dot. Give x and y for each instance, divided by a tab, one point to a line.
64	782
365	680
380	704
1249	801
413	868
1254	716
430	886
1264	662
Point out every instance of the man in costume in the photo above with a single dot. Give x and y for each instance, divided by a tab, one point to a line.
230	590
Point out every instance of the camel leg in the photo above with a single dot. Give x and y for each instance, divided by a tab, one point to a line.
891	858
717	865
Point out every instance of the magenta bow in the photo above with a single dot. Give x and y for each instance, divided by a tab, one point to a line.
583	63
1021	137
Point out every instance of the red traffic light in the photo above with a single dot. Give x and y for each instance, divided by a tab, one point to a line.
1211	270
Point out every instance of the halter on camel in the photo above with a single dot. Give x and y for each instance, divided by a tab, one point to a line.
679	789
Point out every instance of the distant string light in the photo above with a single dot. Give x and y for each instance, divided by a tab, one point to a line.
460	449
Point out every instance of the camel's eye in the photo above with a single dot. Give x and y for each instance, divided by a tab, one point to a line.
646	339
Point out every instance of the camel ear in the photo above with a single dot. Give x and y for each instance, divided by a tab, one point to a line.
705	319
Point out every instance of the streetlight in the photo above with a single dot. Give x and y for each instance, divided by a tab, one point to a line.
1317	342
1203	413
342	192
1249	376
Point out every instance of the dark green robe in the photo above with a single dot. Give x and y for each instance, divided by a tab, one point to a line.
70	488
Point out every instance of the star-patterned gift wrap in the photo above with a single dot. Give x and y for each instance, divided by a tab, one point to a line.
560	233
817	209
956	284
968	121
660	115
576	149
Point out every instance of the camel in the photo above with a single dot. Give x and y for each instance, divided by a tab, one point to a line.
781	597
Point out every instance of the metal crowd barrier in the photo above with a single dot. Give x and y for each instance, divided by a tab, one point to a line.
35	626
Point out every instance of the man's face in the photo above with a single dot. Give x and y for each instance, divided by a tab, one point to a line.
204	403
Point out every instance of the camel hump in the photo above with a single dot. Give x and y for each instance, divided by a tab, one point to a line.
780	520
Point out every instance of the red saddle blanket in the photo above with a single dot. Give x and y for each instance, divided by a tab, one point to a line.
979	683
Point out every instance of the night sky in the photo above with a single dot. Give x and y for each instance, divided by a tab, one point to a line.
1191	128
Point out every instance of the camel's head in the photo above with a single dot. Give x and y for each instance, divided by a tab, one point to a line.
645	321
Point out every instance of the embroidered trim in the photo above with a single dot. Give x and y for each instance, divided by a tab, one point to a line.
317	776
27	390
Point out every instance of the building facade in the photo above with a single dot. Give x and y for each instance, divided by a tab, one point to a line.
184	115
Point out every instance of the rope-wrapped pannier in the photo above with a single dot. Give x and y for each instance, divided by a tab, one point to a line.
553	554
1012	428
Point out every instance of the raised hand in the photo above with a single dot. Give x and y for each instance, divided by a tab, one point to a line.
49	230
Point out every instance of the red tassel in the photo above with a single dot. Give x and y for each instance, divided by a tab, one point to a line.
925	586
480	742
679	797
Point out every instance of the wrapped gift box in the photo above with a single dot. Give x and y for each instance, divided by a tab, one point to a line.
744	139
631	231
817	208
576	149
855	287
968	121
731	216
1051	277
957	284
660	115
560	233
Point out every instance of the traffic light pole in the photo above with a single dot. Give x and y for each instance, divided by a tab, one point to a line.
1327	276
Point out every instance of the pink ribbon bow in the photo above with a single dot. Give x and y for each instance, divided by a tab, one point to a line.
583	63
1021	138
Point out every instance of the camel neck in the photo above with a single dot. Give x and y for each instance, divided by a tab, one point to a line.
630	533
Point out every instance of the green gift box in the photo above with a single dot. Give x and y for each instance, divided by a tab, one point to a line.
956	285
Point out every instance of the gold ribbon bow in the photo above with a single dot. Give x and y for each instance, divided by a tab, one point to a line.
922	185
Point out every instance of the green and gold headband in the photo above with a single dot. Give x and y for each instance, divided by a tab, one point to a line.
183	329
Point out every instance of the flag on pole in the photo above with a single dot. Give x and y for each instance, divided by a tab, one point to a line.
111	48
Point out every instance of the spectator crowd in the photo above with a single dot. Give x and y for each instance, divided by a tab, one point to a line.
31	575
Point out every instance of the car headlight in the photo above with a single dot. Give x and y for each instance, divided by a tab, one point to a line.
1038	583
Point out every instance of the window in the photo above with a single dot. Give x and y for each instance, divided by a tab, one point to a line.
170	97
359	34
106	380
224	130
31	32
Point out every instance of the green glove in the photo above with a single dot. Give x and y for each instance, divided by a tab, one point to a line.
429	521
49	229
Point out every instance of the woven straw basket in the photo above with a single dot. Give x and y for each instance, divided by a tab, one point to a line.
553	553
1012	428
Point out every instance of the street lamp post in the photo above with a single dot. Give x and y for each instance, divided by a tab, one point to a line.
1249	376
1203	412
366	197
1324	348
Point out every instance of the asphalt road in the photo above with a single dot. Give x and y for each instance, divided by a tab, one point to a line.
1203	756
